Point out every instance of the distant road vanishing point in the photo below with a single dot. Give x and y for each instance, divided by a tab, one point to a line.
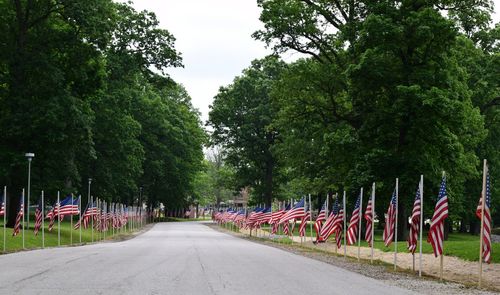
178	258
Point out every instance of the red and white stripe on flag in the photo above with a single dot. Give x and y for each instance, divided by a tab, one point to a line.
369	221
352	231
436	232
390	221
415	224
486	251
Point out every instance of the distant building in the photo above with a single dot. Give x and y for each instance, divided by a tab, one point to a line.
241	199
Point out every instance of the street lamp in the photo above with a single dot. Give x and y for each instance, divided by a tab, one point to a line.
30	157
88	196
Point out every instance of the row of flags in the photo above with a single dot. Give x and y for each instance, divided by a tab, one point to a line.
328	224
102	215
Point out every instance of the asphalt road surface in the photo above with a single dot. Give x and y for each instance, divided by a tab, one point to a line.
178	258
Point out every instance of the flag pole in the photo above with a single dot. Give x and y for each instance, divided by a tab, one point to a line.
105	215
326	214
373	219
421	223
290	229
360	214
441	257
396	227
71	224
43	221
58	206
4	216
310	218
336	245
80	215
344	217
112	220
92	216
481	235
23	217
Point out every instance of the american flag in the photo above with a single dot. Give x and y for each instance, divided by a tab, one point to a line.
330	224
436	232
486	252
326	229
296	212
390	221
51	215
19	217
240	218
91	212
303	221
38	217
369	222
353	224
2	206
264	217
275	218
286	228
319	220
415	223
253	217
68	206
79	223
338	222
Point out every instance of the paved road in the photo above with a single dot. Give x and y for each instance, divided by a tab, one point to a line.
178	258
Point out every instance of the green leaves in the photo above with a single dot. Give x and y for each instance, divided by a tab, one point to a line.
77	89
241	117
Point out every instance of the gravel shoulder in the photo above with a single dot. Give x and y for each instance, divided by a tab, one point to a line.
379	270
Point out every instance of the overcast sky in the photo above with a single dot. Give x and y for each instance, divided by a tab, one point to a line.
214	37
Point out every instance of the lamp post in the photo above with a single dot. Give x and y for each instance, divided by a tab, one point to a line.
30	157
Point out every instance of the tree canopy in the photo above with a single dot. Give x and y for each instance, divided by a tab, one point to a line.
83	85
384	90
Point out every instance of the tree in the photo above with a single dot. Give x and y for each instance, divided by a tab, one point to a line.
215	183
384	94
77	87
241	117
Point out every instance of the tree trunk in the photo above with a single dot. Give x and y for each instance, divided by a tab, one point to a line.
268	190
463	226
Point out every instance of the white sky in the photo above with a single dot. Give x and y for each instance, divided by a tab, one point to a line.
214	37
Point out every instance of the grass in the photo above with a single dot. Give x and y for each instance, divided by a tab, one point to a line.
51	238
464	246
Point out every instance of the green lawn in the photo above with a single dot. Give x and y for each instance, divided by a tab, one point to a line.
51	238
464	246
